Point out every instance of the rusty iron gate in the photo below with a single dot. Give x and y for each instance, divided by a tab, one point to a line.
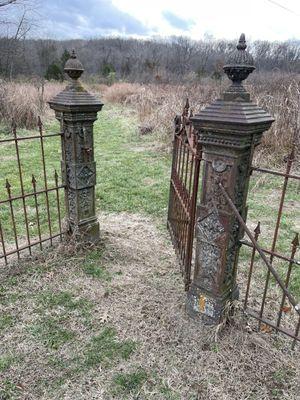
31	194
183	190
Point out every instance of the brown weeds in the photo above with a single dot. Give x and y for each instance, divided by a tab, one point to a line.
157	104
24	102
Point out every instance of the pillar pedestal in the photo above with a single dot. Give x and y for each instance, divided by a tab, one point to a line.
229	130
76	110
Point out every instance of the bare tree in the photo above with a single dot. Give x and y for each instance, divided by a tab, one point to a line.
7	2
14	27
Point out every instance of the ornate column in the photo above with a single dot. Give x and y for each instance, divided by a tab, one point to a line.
228	129
76	110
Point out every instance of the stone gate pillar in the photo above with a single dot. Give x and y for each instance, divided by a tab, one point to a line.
76	110
228	129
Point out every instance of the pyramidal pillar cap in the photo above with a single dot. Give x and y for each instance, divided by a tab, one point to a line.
75	97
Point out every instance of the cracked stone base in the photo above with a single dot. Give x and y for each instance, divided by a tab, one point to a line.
87	232
209	310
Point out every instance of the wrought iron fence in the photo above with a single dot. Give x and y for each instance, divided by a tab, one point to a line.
183	190
268	297
31	207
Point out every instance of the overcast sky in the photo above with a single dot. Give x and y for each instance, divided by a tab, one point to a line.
259	19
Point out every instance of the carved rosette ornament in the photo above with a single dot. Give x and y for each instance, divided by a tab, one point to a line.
228	130
76	109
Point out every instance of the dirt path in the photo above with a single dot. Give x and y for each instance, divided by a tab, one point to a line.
130	285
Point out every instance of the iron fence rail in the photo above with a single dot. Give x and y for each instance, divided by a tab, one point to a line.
271	270
39	198
273	254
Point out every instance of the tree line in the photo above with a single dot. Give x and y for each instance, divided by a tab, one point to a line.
137	60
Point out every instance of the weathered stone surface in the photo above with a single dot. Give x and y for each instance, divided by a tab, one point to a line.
76	110
228	129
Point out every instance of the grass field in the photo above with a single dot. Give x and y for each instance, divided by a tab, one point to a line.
109	323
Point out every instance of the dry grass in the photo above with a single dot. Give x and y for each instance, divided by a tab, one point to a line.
157	104
24	102
120	92
279	94
144	302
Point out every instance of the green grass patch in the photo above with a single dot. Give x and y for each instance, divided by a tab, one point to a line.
105	348
132	176
51	333
66	300
7	297
96	271
6	321
8	390
130	383
168	393
5	362
93	268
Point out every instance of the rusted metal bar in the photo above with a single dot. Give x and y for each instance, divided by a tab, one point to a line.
295	244
287	332
191	175
58	204
256	235
192	225
3	244
19	139
183	163
274	253
14	130
186	171
290	160
296	334
278	173
179	197
261	253
40	125
33	181
13	198
24	247
8	188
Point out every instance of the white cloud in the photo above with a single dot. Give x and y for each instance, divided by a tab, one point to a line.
259	19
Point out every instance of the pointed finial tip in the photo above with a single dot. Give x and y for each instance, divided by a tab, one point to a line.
242	43
73	54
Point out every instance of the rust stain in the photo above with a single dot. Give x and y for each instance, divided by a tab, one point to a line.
202	302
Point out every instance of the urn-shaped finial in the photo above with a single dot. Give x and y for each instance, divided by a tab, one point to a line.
73	67
239	65
75	96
